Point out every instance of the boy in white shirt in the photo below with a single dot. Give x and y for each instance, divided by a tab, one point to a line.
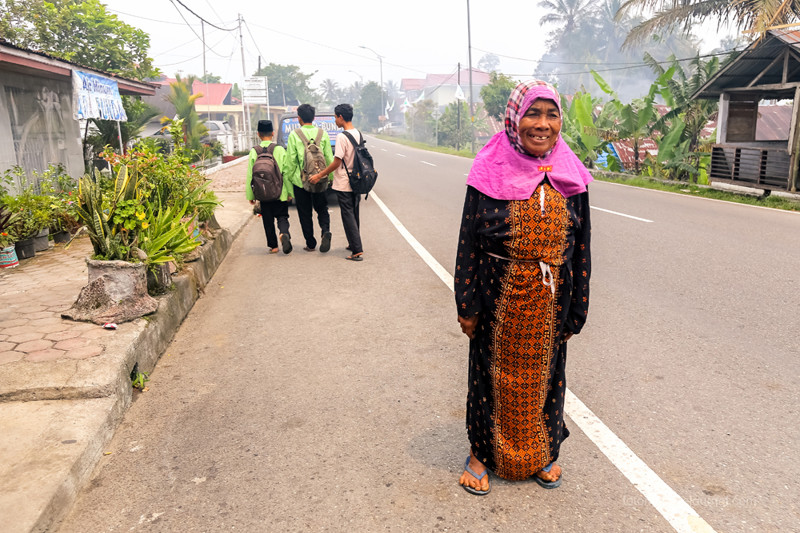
348	200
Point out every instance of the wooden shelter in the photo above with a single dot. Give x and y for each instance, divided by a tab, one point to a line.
768	69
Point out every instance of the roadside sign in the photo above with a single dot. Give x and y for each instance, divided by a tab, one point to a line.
256	90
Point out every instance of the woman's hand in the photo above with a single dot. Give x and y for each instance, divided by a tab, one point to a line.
468	326
566	336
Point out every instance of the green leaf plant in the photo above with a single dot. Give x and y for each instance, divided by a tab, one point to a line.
106	216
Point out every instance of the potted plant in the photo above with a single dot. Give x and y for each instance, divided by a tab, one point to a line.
8	254
117	289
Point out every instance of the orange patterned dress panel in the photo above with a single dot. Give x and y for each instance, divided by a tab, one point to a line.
524	336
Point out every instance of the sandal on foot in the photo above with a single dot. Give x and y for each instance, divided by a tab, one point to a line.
325	245
355	257
273	250
307	249
470	471
548	484
286	243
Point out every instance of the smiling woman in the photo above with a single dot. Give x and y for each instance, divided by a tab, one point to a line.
522	290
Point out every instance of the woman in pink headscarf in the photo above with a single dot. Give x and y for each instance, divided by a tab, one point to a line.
522	290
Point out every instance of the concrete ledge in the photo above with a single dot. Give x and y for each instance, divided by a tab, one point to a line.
738	189
223	166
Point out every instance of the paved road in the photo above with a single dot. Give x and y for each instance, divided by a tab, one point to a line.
305	392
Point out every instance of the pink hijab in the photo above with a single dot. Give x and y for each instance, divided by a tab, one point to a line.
504	171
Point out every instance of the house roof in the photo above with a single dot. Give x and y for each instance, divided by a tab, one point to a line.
434	81
768	66
17	59
213	93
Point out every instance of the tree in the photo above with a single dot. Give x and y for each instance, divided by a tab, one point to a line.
451	133
330	91
495	94
81	31
755	16
287	85
566	13
420	122
180	95
210	78
368	107
489	63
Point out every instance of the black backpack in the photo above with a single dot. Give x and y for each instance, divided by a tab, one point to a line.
267	182
363	174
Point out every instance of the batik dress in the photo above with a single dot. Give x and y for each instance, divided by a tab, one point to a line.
523	267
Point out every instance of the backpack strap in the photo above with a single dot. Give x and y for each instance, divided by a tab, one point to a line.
318	138
299	132
353	139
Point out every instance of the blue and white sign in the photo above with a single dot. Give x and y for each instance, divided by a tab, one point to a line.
96	97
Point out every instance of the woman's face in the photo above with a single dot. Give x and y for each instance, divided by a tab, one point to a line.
539	127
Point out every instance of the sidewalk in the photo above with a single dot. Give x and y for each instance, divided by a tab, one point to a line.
64	385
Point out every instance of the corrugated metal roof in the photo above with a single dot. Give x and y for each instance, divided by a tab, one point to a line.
752	61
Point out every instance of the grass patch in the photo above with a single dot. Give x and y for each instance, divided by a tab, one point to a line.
425	146
703	192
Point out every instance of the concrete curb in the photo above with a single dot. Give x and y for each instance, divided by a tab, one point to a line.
92	396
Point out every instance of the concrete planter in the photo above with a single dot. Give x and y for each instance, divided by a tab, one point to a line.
117	292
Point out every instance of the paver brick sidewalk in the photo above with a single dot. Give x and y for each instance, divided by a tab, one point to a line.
76	372
32	298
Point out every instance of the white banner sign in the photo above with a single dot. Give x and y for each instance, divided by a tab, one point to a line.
96	97
255	90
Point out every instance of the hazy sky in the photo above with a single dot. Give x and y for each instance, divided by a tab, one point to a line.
414	37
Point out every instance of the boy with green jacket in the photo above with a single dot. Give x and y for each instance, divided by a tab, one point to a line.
306	200
274	209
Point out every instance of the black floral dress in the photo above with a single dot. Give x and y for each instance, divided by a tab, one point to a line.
523	267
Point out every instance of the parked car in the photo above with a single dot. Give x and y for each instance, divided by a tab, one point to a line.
289	123
219	130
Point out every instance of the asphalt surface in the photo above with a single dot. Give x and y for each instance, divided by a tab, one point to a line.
309	393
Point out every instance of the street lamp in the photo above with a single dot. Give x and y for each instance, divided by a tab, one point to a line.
380	60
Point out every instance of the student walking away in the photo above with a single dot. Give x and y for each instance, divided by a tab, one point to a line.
522	290
267	185
308	152
343	161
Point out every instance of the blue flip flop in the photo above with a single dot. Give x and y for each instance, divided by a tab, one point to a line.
469	489
548	484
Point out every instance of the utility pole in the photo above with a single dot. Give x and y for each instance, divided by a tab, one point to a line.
205	74
458	106
245	108
471	105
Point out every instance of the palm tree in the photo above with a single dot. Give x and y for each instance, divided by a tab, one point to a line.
756	16
180	95
566	13
329	90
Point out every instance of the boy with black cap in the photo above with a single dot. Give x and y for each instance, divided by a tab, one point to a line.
275	209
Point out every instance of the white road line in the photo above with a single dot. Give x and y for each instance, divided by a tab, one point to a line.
621	214
677	512
426	163
401	155
672	507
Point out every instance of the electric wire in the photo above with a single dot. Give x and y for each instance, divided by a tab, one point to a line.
201	18
195	33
